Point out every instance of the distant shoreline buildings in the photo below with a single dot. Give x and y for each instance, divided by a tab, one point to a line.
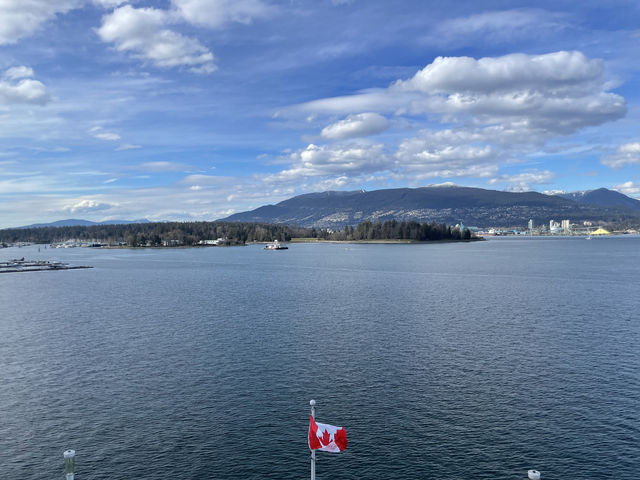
554	228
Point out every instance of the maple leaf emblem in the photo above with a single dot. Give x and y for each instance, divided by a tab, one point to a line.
326	438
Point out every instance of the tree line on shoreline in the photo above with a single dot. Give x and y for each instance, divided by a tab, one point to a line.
230	233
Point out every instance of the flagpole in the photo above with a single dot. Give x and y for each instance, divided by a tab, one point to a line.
313	452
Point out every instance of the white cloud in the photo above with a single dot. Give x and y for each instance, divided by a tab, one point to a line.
100	134
142	31
127	146
521	182
198	180
15	73
556	73
359	125
628	188
26	90
87	206
423	159
556	93
215	13
161	166
497	110
111	3
20	18
332	160
110	136
627	154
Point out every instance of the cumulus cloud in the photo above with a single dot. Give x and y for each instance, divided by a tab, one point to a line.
20	18
215	13
559	73
627	154
628	188
87	206
521	182
332	160
422	159
142	32
557	93
497	110
16	73
25	90
360	125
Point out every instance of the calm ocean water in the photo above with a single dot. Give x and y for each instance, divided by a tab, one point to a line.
446	361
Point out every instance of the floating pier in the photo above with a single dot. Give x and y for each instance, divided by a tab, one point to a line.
22	265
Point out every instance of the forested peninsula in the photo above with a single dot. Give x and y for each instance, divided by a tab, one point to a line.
176	234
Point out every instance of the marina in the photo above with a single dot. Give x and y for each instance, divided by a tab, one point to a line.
22	265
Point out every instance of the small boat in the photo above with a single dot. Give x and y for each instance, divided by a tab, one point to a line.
276	246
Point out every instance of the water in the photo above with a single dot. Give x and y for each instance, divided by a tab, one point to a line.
446	361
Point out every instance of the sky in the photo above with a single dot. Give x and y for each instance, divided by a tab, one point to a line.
197	109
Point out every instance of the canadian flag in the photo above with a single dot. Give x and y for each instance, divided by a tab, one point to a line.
326	437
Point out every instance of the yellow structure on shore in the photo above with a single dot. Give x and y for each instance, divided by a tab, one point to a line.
601	231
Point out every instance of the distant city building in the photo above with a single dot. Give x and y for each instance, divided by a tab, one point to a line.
530	224
554	227
566	225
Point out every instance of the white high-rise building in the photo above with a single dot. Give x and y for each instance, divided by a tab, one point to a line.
566	225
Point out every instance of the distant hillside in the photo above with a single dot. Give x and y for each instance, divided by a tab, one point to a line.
602	197
72	222
450	204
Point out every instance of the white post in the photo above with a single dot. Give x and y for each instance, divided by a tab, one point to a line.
69	463
313	452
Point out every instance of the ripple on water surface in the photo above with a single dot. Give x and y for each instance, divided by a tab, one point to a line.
445	361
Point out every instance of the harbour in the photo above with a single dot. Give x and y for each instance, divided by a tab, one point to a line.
22	265
447	360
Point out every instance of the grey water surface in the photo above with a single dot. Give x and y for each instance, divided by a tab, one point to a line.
443	361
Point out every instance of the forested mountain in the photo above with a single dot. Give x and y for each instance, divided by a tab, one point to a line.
440	204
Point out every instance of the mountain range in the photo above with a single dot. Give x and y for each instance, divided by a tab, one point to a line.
446	204
73	222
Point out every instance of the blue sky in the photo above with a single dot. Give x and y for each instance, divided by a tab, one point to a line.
196	109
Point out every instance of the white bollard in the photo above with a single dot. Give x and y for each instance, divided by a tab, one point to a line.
533	475
69	463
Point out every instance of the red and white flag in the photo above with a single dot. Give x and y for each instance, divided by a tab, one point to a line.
326	437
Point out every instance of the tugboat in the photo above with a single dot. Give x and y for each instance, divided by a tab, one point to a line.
276	246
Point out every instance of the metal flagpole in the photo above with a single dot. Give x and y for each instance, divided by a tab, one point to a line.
313	452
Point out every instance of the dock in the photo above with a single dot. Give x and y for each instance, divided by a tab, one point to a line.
22	265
